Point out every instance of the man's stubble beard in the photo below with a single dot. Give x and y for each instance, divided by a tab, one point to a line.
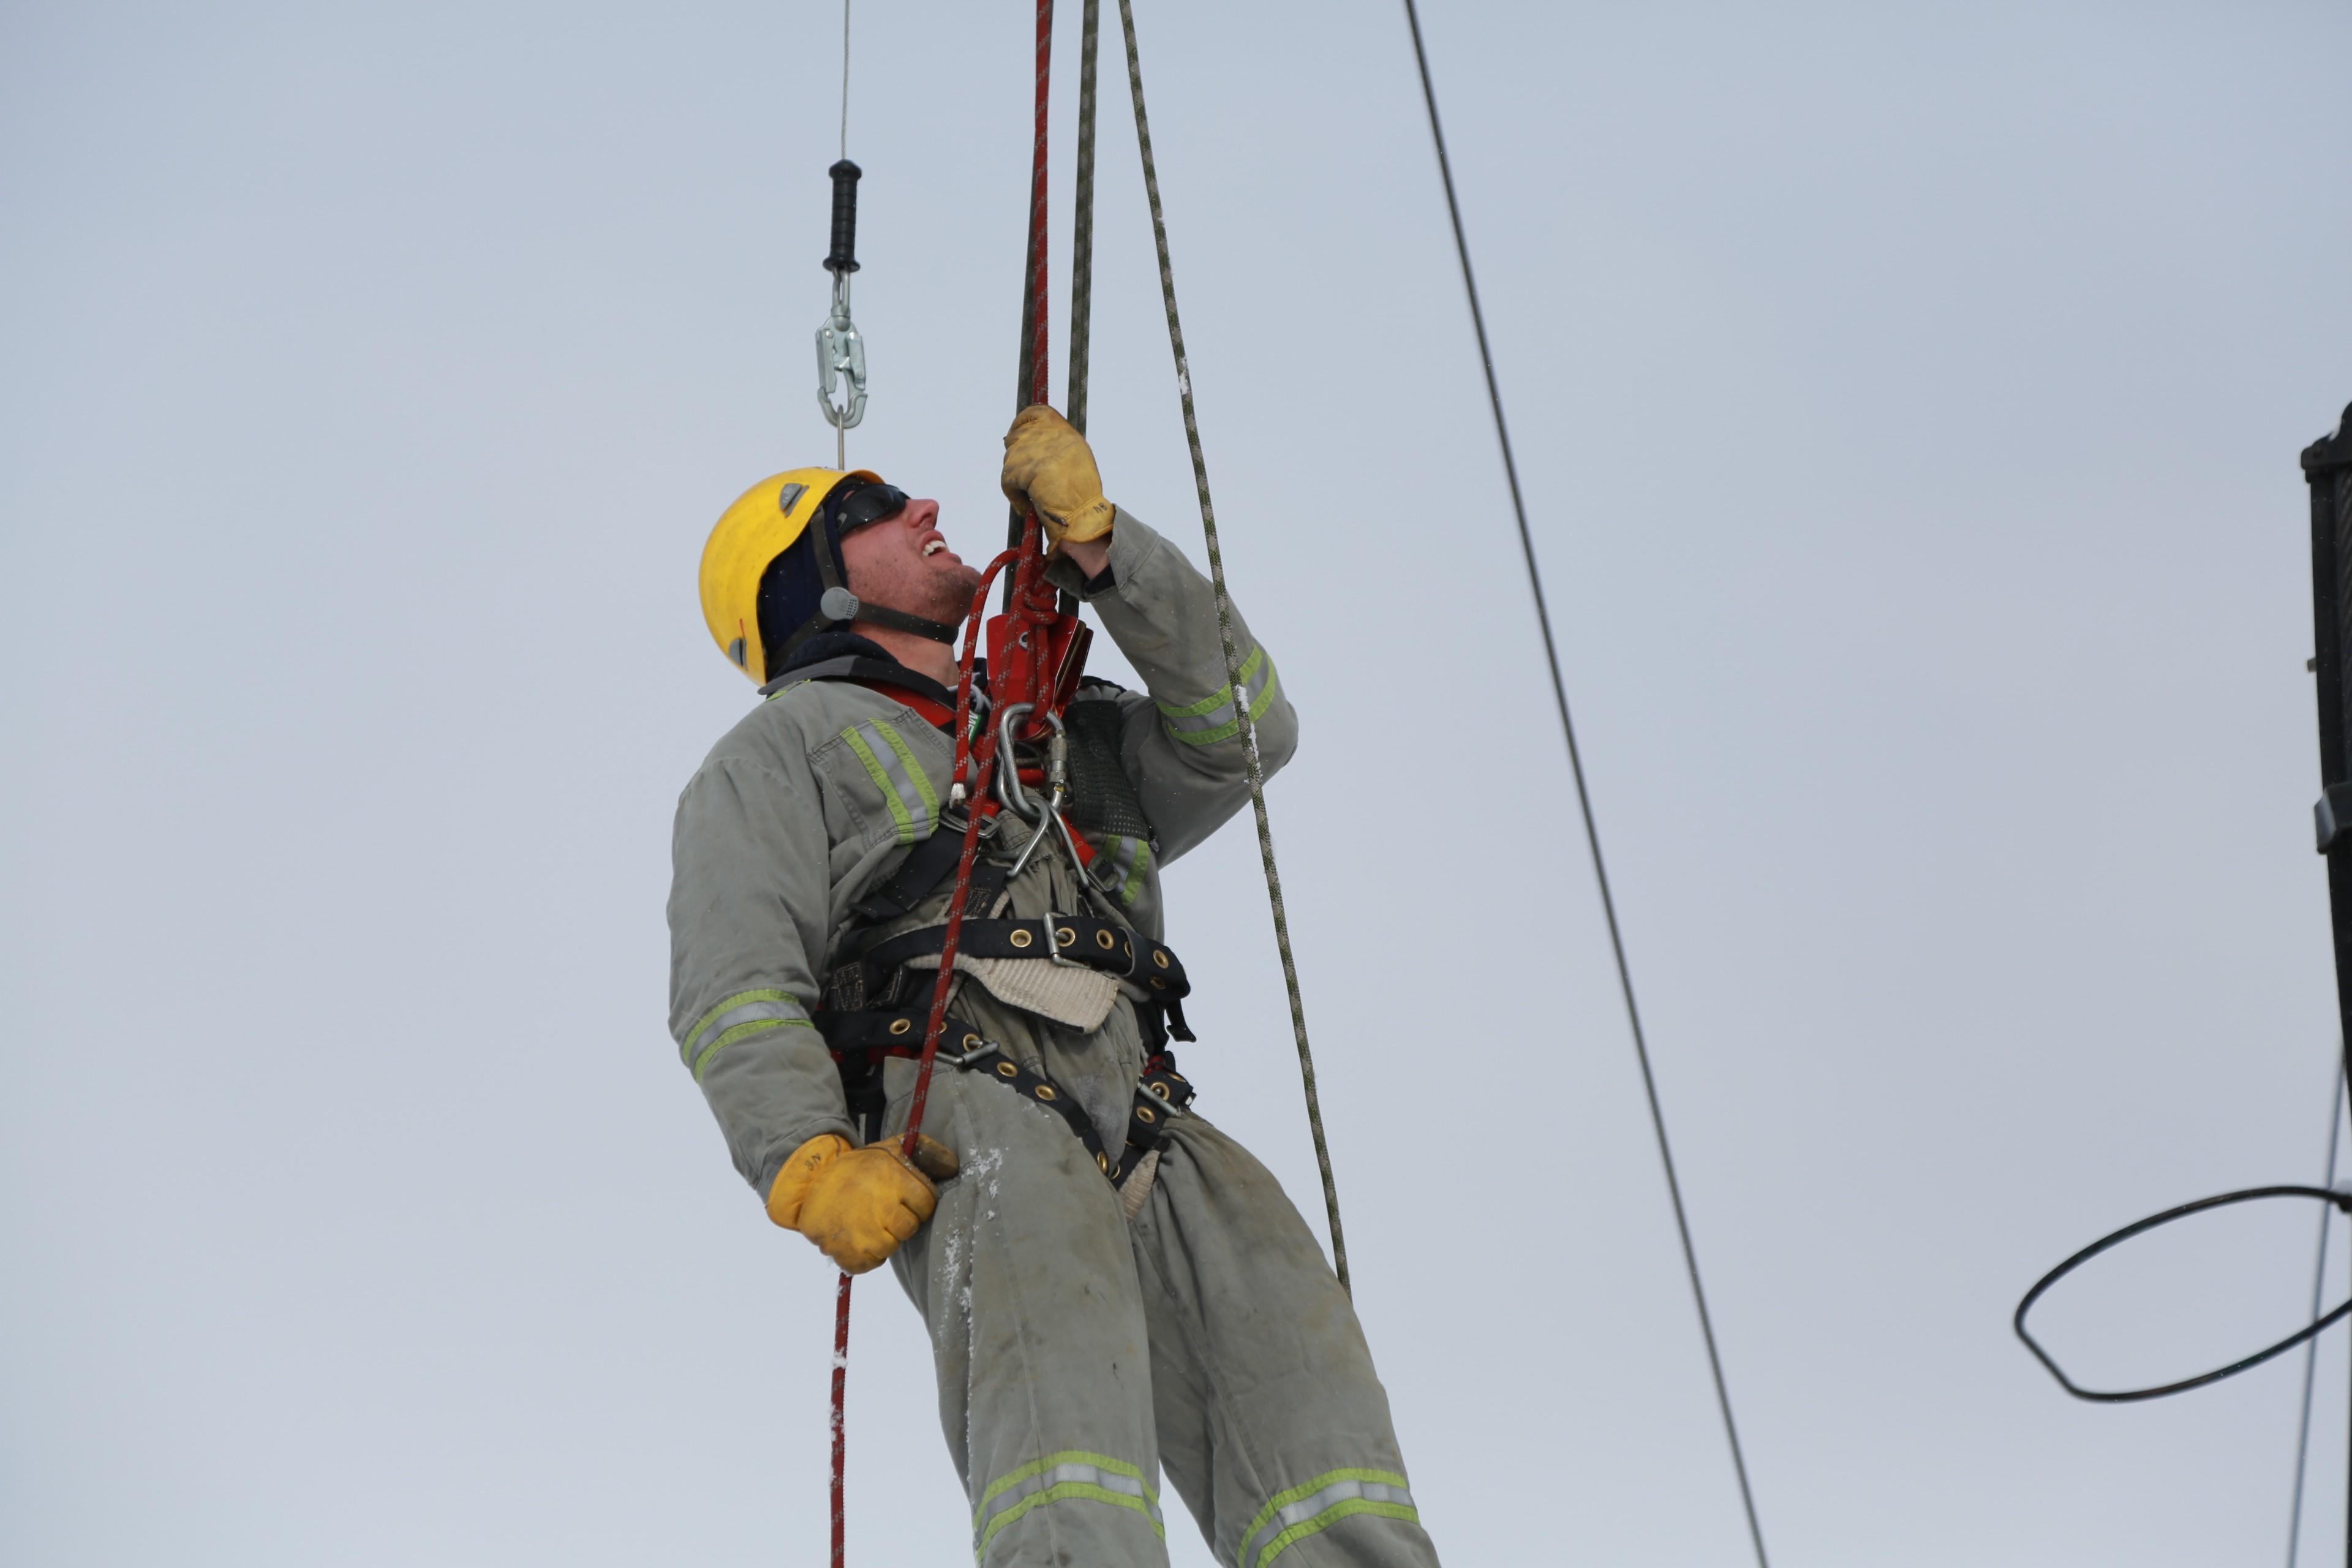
949	596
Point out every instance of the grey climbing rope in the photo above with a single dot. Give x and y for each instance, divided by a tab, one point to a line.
1583	796
1241	695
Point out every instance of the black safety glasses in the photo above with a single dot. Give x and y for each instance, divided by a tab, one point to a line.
868	504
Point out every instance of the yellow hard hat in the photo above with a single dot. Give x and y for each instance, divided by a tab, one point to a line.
761	525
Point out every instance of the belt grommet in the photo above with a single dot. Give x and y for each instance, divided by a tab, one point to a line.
1159	958
1008	1069
1145	1112
900	1026
1103	939
1102	1163
972	1042
1158	983
1067	937
1020	937
1045	1091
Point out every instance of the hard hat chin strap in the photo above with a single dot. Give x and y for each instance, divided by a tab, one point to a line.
839	606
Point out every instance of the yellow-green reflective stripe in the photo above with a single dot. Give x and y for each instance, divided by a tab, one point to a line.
1377	1491
1139	855
1222	695
727	1005
1231	727
1012	1478
916	776
1062	1492
1333	1515
1073	1473
899	816
738	1032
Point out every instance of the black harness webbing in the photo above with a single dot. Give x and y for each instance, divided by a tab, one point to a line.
1099	945
862	1041
918	875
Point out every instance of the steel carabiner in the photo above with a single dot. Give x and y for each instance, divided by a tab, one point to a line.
841	362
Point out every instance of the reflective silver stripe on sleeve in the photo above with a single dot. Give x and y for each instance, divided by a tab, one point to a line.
1212	718
745	1011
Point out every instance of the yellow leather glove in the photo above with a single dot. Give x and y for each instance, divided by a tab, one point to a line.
1050	470
857	1204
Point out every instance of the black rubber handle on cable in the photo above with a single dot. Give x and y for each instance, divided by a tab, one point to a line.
845	218
2129	1395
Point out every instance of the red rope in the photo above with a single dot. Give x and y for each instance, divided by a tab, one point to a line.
977	763
979	760
840	1393
1035	310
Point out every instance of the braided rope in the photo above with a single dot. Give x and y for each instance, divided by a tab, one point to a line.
1232	656
1082	222
1030	386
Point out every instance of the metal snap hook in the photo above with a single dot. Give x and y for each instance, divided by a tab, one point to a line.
840	362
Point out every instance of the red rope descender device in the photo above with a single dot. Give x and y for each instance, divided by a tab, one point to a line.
1036	653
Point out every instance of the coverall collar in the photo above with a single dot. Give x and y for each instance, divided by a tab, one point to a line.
846	656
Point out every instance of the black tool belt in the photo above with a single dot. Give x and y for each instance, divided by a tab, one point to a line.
862	1041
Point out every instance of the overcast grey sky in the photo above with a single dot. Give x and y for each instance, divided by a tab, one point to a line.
1908	400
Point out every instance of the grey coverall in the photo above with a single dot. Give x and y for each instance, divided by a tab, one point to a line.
1077	1352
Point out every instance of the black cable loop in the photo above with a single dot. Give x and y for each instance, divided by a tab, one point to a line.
2114	1238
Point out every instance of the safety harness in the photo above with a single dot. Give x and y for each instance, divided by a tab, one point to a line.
876	997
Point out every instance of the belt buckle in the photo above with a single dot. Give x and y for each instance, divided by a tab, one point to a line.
1054	948
964	1060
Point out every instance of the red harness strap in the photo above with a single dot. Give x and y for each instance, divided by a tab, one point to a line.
940	715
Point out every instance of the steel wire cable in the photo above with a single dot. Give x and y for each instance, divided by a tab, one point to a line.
1239	692
2311	1347
1583	794
836	1417
841	432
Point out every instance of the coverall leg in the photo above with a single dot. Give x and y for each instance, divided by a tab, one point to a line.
1076	1354
1027	1285
1272	1424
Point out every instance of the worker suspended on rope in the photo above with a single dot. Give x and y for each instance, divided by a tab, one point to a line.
1111	1284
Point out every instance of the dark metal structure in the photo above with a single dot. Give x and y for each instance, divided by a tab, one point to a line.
2327	468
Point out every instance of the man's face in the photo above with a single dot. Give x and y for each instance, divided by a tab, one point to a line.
903	561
